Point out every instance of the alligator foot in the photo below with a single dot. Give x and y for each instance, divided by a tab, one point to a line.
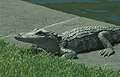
107	52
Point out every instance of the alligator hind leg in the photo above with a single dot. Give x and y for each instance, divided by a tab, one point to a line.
105	39
68	54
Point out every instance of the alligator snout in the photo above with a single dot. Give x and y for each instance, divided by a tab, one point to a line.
18	36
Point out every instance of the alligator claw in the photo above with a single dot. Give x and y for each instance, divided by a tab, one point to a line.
107	52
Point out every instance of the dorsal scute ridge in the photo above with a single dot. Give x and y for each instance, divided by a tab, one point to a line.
56	36
85	31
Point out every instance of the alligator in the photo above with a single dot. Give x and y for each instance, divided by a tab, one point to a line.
74	41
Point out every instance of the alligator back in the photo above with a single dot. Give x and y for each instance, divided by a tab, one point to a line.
86	38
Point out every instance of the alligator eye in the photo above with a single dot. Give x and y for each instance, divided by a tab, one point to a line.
40	32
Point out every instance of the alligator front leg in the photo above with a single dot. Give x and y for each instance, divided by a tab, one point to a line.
35	49
68	54
105	38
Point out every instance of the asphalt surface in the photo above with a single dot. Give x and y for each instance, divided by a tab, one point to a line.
17	16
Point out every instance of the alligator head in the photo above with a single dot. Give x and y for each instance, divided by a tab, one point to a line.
41	38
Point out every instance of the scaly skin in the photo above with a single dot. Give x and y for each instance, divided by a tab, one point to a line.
78	40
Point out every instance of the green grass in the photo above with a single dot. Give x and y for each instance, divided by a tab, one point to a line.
18	62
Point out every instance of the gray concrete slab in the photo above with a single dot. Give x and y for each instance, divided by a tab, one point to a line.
18	16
